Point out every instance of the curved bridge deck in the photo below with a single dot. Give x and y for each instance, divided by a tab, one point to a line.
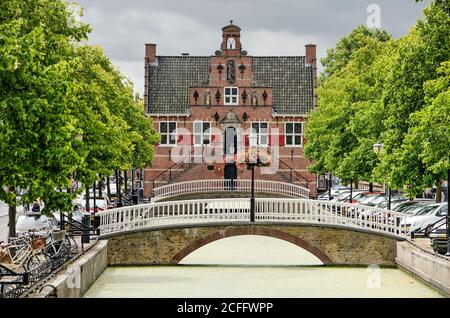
226	185
193	213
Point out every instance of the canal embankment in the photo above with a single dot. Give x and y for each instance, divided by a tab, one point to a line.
423	263
78	277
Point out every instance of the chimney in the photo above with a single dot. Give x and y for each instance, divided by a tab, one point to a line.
150	52
150	57
311	59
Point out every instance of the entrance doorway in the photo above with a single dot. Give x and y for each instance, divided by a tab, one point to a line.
230	141
230	171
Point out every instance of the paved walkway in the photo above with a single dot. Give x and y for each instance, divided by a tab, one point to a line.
424	245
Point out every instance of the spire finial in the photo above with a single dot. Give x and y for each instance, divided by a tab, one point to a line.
231	21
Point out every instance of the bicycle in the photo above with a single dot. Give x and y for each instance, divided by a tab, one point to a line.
25	251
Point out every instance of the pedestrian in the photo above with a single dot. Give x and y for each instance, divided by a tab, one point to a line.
36	207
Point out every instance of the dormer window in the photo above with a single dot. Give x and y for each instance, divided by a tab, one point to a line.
231	96
231	44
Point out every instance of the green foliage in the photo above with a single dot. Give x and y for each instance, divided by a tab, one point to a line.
337	58
395	91
52	89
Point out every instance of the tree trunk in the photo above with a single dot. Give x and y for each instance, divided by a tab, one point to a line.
370	187
88	209
108	188
100	186
12	211
439	192
125	173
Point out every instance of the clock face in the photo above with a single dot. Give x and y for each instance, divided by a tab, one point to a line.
231	44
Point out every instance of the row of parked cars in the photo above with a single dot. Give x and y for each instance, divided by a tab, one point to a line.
422	214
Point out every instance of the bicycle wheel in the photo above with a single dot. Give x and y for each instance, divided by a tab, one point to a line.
34	261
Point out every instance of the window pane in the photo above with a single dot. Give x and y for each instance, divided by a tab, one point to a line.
173	139
234	91
288	140
298	140
298	128
263	139
289	129
255	128
163	139
227	91
172	127
205	139
234	100
197	127
264	129
163	127
206	126
227	100
198	139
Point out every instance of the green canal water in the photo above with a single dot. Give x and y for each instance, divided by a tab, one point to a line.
254	266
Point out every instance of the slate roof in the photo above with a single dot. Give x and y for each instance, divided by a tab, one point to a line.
171	77
291	80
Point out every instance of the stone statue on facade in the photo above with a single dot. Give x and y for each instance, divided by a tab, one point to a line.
231	72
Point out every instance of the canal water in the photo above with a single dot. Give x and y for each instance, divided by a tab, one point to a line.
255	266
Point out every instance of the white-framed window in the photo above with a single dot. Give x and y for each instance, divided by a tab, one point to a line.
260	134
231	96
202	133
168	133
293	134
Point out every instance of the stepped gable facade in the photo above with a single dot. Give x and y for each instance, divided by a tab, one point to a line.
228	101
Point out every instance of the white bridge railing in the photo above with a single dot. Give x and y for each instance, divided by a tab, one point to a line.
274	211
223	185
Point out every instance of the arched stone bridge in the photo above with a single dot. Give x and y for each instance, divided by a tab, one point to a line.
166	232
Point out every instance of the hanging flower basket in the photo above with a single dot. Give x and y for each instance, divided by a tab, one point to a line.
254	157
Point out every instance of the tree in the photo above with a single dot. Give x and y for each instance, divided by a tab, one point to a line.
415	62
338	57
428	138
35	128
342	130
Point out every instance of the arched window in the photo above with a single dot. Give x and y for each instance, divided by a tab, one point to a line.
231	44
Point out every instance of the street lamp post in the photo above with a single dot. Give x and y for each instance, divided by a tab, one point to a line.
253	158
378	148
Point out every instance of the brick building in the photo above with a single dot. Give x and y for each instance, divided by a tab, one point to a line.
226	102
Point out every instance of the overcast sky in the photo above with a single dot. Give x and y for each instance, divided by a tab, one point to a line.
269	27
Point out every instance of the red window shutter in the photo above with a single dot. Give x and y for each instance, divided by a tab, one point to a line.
246	141
281	140
192	139
270	140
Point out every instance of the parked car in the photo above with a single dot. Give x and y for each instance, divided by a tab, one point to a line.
102	204
334	193
394	202
77	214
426	218
362	195
33	222
418	213
404	206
